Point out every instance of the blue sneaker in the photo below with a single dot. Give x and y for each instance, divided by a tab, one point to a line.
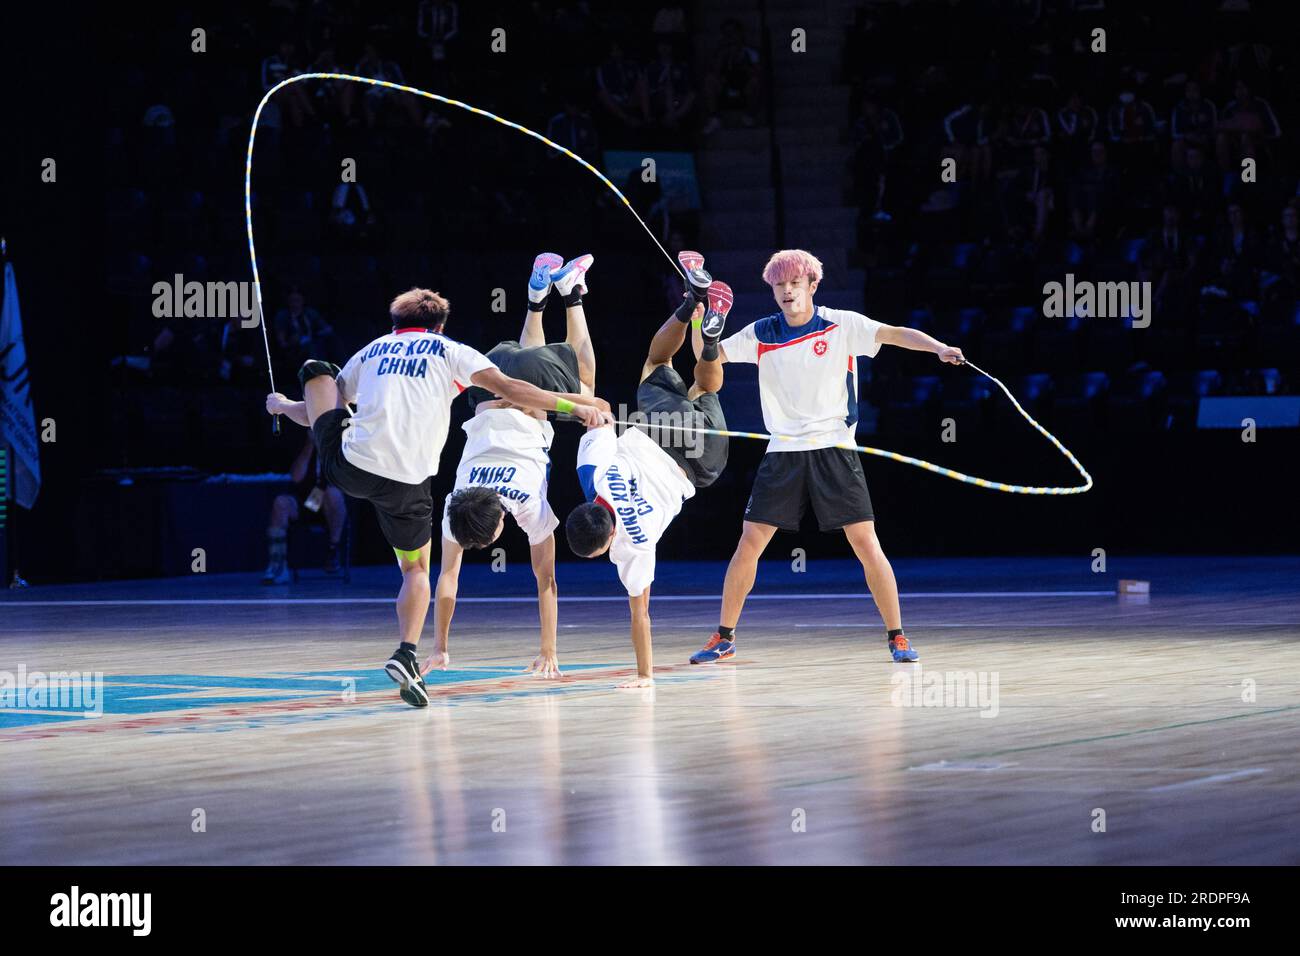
902	651
719	648
539	283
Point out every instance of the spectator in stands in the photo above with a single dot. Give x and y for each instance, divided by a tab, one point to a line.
1191	123
884	121
573	129
1239	252
669	89
1232	258
331	99
1029	127
377	102
1094	195
1167	260
621	90
1033	197
972	134
438	25
300	328
669	20
1076	128
732	82
239	353
294	99
873	136
1247	123
1196	192
351	216
1131	120
312	497
1131	129
1283	256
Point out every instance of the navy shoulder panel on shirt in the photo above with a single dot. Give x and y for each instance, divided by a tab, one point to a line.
773	329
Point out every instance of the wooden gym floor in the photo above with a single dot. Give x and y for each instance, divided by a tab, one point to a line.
242	724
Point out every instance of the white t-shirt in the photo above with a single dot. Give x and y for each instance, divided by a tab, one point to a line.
507	449
403	385
645	488
807	376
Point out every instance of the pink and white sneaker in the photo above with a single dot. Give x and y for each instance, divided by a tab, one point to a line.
572	276
715	317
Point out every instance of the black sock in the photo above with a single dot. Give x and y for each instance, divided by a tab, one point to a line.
406	646
726	633
896	632
536	306
684	311
573	298
710	350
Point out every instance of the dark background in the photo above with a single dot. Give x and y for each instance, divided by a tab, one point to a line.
463	209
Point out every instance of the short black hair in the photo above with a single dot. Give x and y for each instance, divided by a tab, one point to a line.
588	528
474	514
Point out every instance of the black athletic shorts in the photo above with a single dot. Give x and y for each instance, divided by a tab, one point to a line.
831	478
553	367
703	456
405	511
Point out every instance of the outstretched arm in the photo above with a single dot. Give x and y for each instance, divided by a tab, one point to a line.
578	398
527	395
918	341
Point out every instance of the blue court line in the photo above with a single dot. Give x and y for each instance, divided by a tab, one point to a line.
531	599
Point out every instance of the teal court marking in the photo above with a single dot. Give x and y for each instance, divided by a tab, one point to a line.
176	697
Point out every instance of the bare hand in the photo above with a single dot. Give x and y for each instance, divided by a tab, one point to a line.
438	661
636	682
545	665
275	403
591	416
952	355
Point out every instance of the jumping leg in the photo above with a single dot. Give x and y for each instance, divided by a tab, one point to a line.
578	336
665	344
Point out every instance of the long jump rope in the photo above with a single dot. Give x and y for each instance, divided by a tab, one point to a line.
864	449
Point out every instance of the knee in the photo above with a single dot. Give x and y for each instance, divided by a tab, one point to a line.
545	581
416	579
751	547
871	553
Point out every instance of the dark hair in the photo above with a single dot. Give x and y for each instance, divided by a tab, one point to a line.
588	528
474	514
419	308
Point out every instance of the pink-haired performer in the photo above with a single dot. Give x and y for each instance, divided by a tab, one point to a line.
808	386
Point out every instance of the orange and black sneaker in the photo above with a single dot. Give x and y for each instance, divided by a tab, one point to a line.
719	648
902	651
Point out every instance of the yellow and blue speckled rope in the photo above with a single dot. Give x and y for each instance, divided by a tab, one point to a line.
248	171
928	466
893	456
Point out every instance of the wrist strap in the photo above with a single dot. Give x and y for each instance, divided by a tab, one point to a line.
564	405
